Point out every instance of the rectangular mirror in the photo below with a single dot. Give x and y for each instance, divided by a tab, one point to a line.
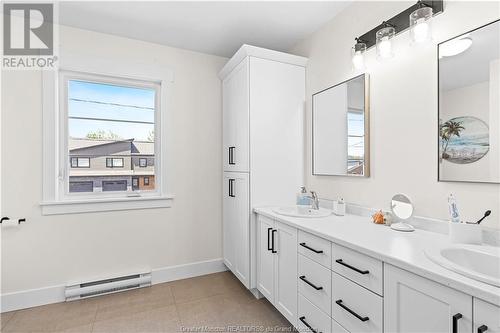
469	106
340	121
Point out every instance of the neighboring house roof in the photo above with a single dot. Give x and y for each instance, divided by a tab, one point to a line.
136	147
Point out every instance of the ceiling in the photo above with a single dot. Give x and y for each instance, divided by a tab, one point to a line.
473	65
218	28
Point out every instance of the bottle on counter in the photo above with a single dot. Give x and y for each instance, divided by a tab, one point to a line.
303	198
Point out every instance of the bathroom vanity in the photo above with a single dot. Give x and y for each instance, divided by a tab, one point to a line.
346	274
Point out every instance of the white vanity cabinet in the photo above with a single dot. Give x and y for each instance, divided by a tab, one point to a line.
322	286
415	304
263	94
277	265
486	317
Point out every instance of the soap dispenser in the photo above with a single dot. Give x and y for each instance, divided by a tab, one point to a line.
302	197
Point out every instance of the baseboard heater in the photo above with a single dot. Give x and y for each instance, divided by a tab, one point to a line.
107	286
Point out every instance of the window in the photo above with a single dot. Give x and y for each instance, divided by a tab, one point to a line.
143	162
355	142
109	116
117	114
114	162
80	162
146	181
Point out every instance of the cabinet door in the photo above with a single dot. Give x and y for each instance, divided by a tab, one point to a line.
265	259
235	120
416	304
240	195
228	223
285	273
486	317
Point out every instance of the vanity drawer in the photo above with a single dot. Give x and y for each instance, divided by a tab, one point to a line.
360	268
315	248
354	307
315	283
312	318
336	328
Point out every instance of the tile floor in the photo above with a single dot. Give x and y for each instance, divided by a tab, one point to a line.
209	303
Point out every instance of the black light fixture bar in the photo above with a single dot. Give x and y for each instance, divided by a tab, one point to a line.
401	22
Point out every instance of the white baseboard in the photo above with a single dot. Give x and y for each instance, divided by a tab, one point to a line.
32	297
55	294
185	271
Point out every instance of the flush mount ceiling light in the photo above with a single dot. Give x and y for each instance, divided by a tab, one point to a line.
384	42
358	54
454	47
420	24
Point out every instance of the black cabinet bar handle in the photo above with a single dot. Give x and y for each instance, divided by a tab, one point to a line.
5	218
455	318
303	278
272	241
303	320
269	248
340	261
231	188
482	329
231	155
310	248
339	302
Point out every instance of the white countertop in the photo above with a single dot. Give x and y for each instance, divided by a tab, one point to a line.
401	249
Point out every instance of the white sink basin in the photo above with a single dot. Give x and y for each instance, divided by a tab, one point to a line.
296	211
479	262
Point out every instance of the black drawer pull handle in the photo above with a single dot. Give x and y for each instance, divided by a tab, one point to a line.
339	261
231	188
269	248
482	329
339	302
303	278
310	248
231	155
455	318
303	320
272	241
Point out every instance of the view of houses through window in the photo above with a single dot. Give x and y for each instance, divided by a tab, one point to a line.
111	137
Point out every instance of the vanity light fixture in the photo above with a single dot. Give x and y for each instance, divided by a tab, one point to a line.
416	17
420	23
358	54
454	47
384	41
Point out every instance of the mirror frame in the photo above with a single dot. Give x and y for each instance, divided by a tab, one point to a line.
366	169
439	112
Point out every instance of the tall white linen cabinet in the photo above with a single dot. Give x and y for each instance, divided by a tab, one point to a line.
263	146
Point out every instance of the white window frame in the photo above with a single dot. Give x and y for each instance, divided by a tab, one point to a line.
56	196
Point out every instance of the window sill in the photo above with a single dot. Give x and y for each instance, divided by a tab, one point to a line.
105	205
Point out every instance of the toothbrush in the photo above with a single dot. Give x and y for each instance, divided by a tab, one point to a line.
486	214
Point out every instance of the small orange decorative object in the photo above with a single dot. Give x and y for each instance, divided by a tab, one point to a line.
378	217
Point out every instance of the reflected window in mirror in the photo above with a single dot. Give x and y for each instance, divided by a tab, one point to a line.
341	129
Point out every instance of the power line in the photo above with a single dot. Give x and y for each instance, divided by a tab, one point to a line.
113	104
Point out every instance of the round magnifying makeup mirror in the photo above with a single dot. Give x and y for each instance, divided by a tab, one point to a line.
402	208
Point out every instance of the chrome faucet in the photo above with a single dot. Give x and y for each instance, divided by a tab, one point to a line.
314	201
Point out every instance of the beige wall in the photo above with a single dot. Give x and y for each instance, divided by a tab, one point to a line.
403	110
52	250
